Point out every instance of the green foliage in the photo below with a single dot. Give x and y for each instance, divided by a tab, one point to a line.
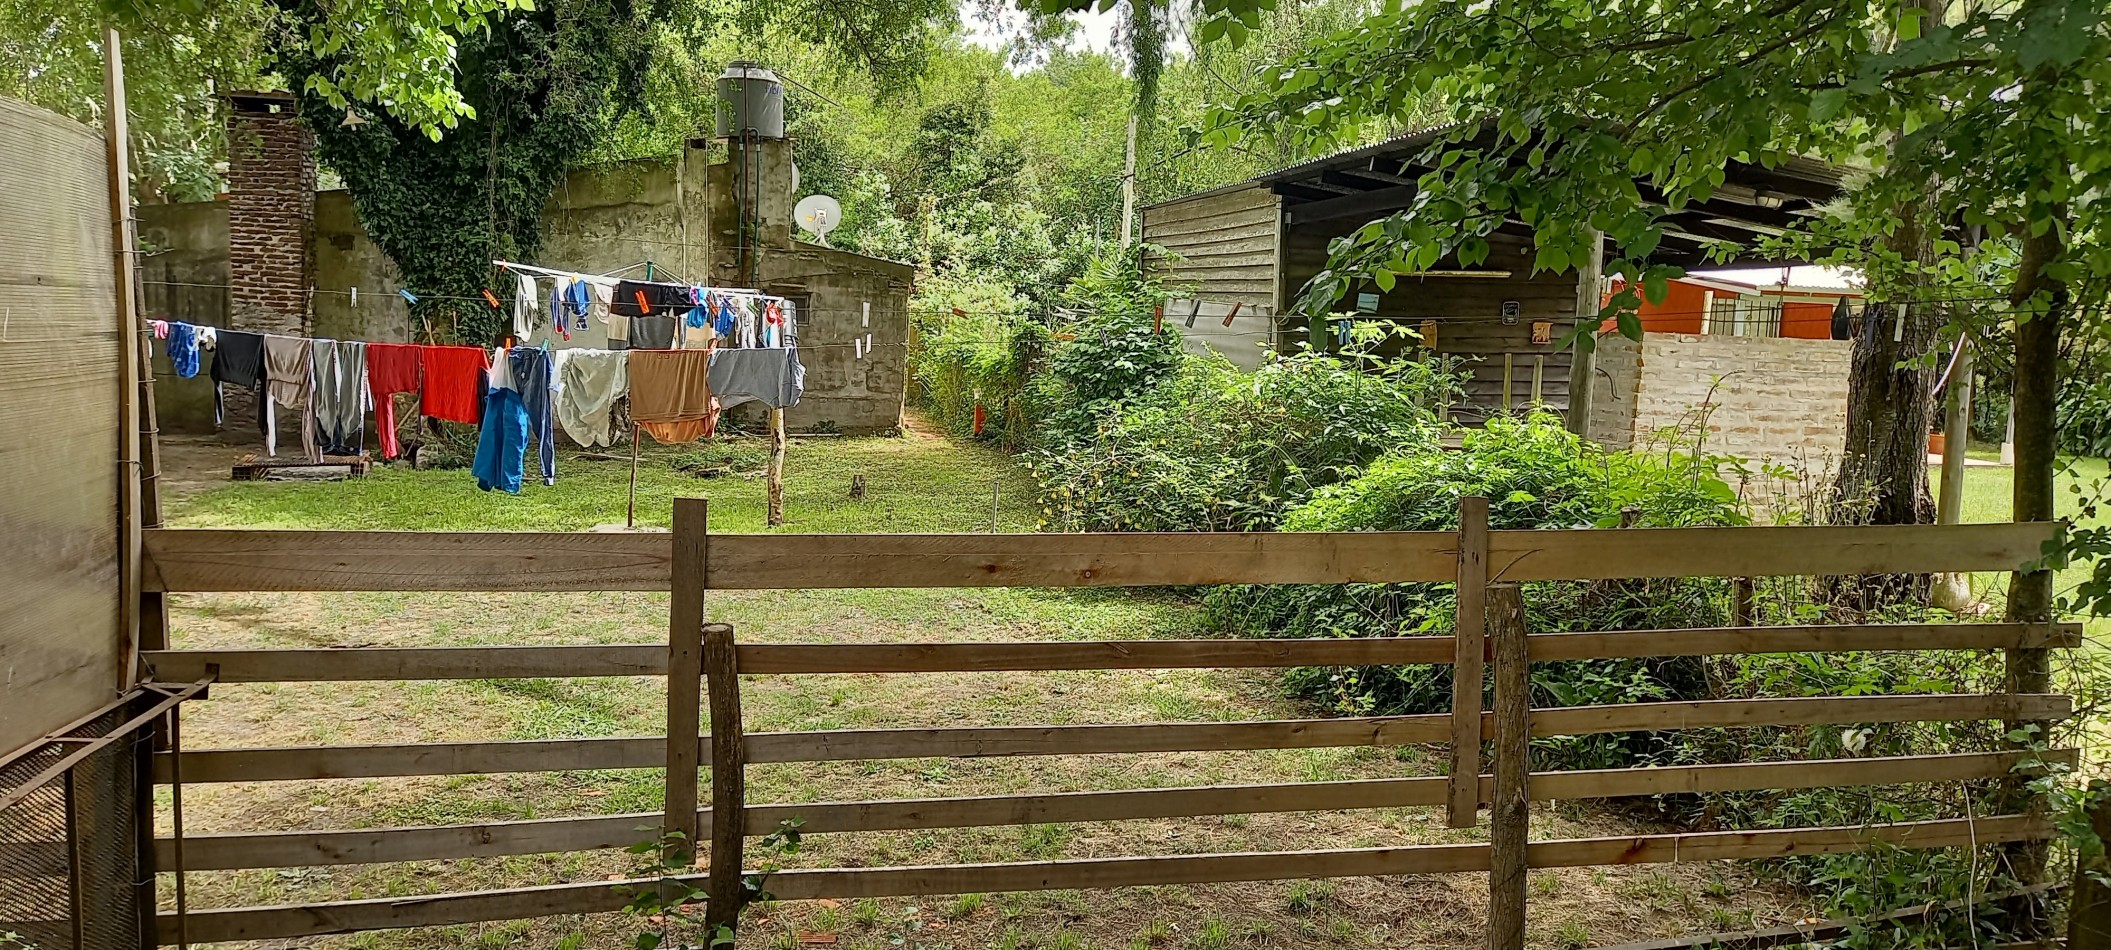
1113	350
1213	448
978	346
546	84
2085	416
1535	474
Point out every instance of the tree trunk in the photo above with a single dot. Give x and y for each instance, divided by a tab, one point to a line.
1883	477
2034	410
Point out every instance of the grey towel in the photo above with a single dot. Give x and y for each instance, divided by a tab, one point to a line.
652	333
340	396
768	374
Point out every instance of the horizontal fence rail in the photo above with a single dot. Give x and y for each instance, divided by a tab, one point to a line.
194	559
276	923
299	763
546	835
650	659
1485	565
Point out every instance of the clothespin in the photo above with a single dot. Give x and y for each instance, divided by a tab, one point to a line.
1158	319
866	320
1898	327
643	307
408	297
868	343
857	347
490	298
1234	311
959	312
355	295
1194	310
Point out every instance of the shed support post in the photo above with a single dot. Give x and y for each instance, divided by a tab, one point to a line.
1509	815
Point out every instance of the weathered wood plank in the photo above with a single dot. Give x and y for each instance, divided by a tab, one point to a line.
413	663
792	561
1088	655
285	922
1468	650
378	845
685	659
1797	711
851	744
472	758
1509	815
194	559
289	849
1704	641
649	659
1763	551
211	560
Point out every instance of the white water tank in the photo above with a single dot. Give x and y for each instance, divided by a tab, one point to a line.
750	98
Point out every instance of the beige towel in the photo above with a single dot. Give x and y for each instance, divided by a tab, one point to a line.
289	381
589	383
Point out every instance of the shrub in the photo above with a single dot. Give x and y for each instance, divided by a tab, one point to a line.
1113	351
1535	475
978	346
1215	449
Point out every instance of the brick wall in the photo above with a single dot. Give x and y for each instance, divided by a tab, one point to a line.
270	213
1770	399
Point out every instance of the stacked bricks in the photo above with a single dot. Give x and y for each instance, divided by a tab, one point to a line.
1764	398
270	213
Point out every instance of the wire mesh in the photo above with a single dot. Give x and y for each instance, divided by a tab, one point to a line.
69	851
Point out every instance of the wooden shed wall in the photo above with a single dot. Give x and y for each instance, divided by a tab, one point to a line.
1468	312
59	378
1225	243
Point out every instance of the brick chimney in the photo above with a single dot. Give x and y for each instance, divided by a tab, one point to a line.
270	213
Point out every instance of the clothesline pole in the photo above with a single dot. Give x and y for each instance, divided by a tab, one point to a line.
630	517
776	467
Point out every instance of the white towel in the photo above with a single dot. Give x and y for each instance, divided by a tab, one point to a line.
526	302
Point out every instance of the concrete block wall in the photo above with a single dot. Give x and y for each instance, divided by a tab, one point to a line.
1762	399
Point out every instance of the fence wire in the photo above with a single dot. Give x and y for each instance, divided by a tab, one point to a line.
69	851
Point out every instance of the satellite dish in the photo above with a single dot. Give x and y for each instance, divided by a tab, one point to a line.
819	214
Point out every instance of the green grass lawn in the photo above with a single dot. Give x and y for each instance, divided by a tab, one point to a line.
1988	494
917	483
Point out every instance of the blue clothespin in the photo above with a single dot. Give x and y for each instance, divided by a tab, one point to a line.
408	297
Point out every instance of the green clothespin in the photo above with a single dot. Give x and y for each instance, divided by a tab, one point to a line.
648	270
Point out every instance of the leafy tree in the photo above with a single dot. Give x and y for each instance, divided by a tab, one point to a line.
1613	118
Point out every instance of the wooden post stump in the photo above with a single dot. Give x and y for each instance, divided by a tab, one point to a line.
1469	646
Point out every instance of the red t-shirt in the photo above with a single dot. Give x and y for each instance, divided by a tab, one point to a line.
392	368
454	383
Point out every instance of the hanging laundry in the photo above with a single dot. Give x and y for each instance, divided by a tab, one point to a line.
536	381
670	394
589	383
696	317
340	396
502	443
759	374
560	315
744	329
652	333
160	328
618	325
391	368
238	361
633	298
184	354
722	317
578	301
525	301
454	382
289	382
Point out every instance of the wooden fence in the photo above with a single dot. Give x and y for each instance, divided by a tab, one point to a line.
1486	566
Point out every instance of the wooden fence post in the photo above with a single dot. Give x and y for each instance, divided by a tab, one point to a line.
685	671
729	783
1509	814
1469	653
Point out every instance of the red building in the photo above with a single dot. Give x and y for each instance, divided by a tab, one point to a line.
1789	301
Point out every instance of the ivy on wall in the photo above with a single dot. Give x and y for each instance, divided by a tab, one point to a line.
545	85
